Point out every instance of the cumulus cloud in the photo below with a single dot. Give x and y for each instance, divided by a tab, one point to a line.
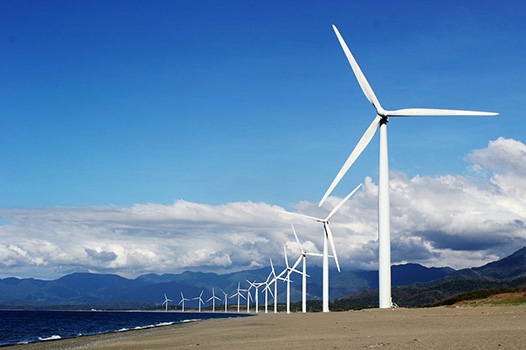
452	220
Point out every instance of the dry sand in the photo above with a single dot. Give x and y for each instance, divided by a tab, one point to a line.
484	327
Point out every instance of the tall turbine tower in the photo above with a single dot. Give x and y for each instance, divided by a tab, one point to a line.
381	119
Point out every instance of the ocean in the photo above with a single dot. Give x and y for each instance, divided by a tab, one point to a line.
20	327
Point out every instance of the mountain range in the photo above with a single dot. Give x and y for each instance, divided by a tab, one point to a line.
506	274
413	285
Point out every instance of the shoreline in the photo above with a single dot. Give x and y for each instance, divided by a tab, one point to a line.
430	328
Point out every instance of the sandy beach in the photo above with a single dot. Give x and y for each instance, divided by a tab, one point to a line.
484	327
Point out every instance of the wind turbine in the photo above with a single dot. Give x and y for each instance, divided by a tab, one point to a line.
275	281
266	289
199	300
289	270
304	255
166	301
213	298
327	239
183	299
238	295
256	295
381	120
249	297
226	300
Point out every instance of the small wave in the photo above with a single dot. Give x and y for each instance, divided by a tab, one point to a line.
190	320
53	337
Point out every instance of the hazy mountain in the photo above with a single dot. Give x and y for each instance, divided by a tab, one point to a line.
413	285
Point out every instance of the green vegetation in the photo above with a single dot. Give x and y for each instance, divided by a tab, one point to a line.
493	296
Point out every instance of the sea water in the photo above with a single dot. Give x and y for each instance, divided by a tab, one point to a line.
19	327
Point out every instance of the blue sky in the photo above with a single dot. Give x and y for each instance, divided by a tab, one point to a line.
127	103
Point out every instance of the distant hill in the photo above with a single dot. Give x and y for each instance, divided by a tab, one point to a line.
413	285
509	272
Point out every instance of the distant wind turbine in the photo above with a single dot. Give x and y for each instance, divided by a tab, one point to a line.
381	120
267	289
249	297
327	239
213	298
226	300
183	299
166	301
199	300
238	295
304	255
275	281
256	286
289	270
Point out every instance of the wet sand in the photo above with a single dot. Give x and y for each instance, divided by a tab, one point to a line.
484	327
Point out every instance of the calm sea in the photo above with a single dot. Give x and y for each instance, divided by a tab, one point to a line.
33	326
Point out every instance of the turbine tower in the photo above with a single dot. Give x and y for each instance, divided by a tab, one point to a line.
381	120
327	239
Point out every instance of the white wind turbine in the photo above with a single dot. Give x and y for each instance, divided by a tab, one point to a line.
266	289
199	300
304	255
381	119
226	300
256	292
183	299
238	295
289	270
166	301
213	298
327	239
249	297
275	281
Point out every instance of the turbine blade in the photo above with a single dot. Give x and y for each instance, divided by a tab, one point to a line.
331	242
314	254
336	208
364	84
296	264
286	258
302	216
297	239
281	274
426	112
272	267
358	149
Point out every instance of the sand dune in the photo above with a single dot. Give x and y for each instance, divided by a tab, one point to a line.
485	327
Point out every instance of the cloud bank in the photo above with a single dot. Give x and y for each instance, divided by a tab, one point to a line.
453	220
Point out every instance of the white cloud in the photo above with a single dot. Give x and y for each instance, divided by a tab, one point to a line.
452	220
